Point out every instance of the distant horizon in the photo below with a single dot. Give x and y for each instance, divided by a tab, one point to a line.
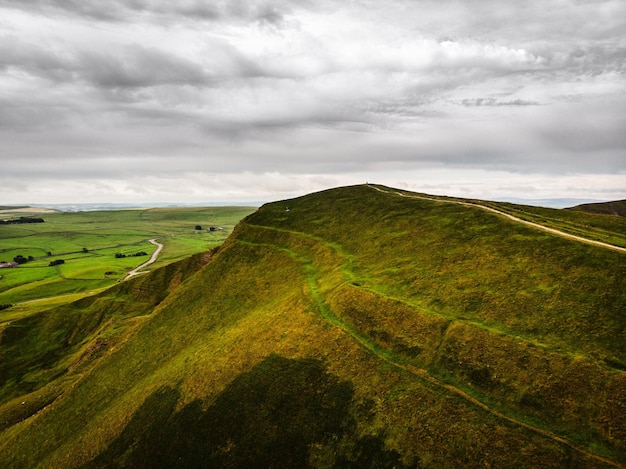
552	202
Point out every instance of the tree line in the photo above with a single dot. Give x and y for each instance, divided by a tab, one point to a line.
137	254
20	220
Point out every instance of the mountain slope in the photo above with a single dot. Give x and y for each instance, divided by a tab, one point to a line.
348	328
617	207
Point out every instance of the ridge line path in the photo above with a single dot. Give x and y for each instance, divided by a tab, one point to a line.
153	258
511	217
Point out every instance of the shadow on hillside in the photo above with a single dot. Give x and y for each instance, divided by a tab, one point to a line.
282	413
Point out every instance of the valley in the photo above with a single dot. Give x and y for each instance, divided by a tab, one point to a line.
91	251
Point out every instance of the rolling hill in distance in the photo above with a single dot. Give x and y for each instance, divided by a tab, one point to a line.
361	326
617	207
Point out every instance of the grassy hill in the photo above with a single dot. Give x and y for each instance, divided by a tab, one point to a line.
617	207
355	327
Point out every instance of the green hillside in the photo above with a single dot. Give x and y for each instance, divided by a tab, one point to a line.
617	207
355	327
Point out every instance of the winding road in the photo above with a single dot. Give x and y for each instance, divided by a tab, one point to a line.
153	258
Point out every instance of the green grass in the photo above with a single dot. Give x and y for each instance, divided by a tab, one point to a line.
102	234
501	278
606	228
469	264
359	329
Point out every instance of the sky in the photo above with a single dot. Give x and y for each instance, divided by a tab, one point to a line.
153	101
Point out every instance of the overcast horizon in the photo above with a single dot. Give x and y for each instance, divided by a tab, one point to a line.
145	101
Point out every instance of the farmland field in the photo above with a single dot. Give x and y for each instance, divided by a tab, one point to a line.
98	249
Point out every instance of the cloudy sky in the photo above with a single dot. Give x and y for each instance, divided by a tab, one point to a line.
146	101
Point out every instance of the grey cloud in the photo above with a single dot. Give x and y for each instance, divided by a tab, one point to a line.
138	66
209	11
587	133
270	15
103	11
277	127
35	60
27	115
478	102
122	11
124	67
263	86
597	58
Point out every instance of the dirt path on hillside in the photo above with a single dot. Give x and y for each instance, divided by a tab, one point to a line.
511	217
423	374
153	258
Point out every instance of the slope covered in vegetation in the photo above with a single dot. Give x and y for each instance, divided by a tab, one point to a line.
348	328
617	207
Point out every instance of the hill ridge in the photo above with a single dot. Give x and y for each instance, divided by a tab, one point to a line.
509	216
615	208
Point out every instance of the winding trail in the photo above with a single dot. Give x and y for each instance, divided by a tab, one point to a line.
153	258
510	217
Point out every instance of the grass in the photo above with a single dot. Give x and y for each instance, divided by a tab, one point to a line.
522	290
469	264
606	228
103	234
359	329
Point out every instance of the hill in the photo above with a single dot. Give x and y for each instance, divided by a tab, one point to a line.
355	327
617	207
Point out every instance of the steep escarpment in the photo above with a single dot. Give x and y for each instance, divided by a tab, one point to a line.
355	327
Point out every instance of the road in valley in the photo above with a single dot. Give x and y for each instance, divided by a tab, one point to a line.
153	258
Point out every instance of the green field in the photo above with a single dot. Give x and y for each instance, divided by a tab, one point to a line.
88	242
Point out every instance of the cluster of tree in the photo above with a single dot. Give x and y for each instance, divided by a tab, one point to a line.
211	228
137	254
56	262
17	221
19	259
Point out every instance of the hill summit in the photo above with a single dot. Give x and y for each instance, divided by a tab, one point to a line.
356	327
